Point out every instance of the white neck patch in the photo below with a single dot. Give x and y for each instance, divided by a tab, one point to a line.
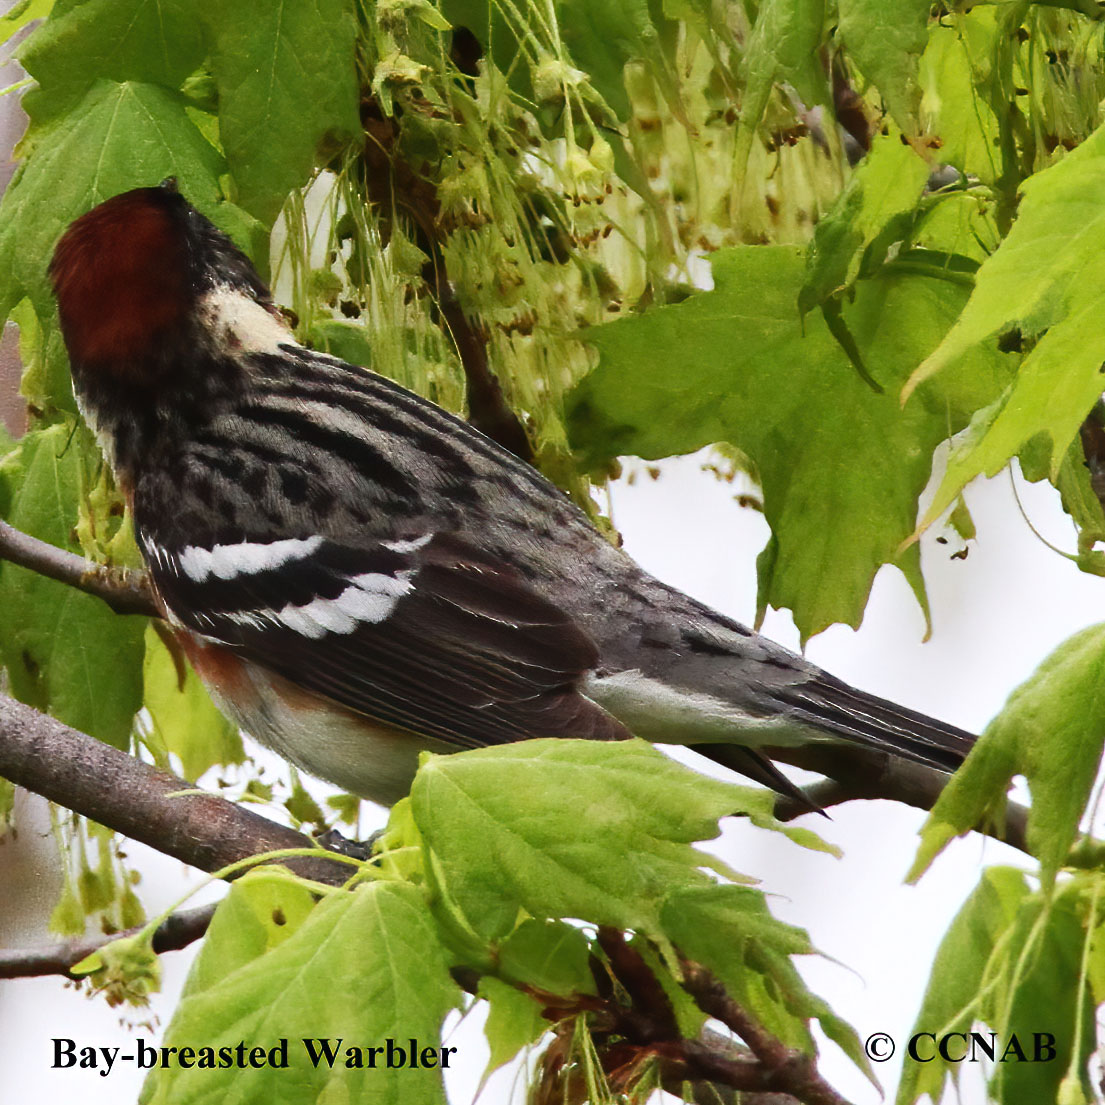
241	325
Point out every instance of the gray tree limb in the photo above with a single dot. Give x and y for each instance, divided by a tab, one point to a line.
126	592
115	789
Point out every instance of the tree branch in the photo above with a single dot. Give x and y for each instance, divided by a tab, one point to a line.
177	931
857	774
715	1093
638	1019
488	409
116	790
634	1025
126	592
784	1069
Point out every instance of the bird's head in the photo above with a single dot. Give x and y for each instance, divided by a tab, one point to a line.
144	275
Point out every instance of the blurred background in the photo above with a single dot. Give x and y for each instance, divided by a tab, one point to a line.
996	612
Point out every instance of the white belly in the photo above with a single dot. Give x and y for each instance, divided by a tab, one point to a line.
333	744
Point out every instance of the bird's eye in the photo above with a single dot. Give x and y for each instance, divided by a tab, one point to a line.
170	185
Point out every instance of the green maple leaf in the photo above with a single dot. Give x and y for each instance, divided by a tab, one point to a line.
841	466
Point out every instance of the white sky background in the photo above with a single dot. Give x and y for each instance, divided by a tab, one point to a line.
996	615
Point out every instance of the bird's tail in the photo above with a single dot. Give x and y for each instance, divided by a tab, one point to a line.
832	706
867	722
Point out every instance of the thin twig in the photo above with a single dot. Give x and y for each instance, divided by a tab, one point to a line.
177	931
703	1092
822	795
786	1069
640	1018
633	1026
488	409
126	592
642	987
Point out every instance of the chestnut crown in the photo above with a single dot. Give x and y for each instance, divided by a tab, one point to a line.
128	276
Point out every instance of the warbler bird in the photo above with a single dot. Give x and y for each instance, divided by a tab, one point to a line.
358	575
